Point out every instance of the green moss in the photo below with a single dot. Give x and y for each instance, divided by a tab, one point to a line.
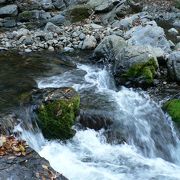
56	118
145	71
173	109
26	16
79	13
177	4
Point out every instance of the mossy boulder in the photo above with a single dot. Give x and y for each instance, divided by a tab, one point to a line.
136	66
177	4
144	72
173	109
79	13
27	16
57	112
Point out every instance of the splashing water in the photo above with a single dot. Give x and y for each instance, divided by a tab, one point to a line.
152	148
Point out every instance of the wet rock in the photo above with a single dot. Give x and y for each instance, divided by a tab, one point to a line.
95	120
96	111
89	42
9	10
31	166
173	64
57	111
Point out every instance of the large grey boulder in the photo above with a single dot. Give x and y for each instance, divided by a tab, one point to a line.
47	4
137	64
128	22
109	48
150	34
57	20
9	10
89	42
102	5
29	5
59	4
9	22
50	27
173	64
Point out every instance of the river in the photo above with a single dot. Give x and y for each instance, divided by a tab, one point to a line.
141	143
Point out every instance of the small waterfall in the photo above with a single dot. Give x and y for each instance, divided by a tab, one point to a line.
151	149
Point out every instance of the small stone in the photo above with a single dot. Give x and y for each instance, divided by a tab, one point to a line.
76	34
68	49
172	45
173	31
96	26
28	50
51	48
82	36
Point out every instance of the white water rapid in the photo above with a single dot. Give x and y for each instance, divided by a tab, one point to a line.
152	148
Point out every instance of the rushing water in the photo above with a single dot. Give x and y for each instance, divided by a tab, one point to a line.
151	149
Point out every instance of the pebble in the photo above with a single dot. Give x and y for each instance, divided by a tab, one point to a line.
51	48
70	38
28	50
